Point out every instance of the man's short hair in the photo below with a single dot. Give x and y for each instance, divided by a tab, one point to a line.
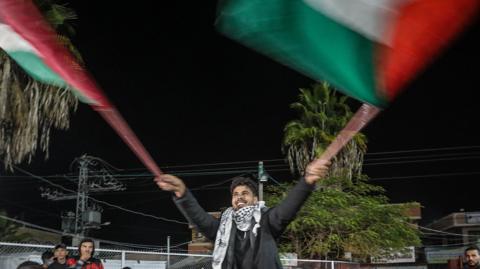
86	240
244	181
61	245
29	265
472	248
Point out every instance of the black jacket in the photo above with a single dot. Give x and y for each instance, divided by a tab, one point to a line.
258	252
57	265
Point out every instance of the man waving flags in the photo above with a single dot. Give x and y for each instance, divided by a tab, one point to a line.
246	234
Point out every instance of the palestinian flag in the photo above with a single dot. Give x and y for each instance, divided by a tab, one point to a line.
32	43
369	49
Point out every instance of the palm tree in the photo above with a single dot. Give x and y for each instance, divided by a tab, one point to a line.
350	215
322	114
29	109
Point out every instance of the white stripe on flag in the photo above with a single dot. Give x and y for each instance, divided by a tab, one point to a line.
367	17
10	41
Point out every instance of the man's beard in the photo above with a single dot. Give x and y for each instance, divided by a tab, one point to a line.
473	264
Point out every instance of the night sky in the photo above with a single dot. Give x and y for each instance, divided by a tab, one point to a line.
196	97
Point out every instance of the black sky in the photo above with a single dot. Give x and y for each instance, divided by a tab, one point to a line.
194	96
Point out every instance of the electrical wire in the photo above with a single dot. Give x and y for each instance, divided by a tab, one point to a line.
421	161
253	168
102	202
425	176
462	154
446	233
423	150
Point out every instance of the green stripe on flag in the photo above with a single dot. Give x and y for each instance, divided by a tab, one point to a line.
299	36
35	67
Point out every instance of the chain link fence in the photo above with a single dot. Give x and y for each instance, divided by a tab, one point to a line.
12	254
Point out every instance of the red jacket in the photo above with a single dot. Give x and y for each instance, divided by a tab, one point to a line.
91	263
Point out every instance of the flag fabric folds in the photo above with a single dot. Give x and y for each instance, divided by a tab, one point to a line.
369	49
31	42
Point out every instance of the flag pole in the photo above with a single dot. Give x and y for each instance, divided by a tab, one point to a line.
360	119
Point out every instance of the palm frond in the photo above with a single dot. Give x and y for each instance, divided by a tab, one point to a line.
29	109
322	113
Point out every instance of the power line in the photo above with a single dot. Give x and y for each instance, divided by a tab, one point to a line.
422	150
276	170
421	161
441	236
249	169
205	164
449	245
282	159
463	154
424	176
137	212
148	182
212	186
446	233
273	179
100	201
220	169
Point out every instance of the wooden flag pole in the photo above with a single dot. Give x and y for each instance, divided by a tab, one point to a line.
361	118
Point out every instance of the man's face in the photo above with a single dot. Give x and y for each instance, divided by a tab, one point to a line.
243	196
60	253
472	257
86	248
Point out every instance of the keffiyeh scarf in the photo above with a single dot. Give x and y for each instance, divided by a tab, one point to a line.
243	220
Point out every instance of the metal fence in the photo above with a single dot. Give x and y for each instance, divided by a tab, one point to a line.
12	254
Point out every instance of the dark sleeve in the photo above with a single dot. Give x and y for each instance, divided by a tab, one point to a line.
281	215
196	215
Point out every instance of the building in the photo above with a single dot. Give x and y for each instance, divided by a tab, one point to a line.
465	224
449	236
200	244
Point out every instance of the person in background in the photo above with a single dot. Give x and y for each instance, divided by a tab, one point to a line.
47	258
29	265
85	259
472	258
60	257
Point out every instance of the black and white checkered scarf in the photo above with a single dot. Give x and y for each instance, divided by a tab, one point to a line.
243	221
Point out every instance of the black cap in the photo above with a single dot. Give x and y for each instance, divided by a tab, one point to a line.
61	245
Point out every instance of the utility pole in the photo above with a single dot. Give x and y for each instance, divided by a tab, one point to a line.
262	177
93	177
168	251
82	196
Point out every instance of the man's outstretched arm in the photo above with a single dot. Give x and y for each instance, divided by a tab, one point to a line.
282	214
188	205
